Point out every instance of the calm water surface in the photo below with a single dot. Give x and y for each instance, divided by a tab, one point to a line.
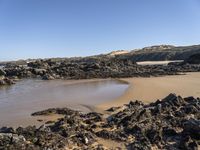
17	102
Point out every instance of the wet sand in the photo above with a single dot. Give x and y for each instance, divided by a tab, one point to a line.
90	95
153	88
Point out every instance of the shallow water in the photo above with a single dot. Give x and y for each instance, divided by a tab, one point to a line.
17	102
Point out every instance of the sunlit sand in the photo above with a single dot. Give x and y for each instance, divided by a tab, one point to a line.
153	88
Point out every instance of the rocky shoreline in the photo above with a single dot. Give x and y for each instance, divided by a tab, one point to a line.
5	80
91	67
170	123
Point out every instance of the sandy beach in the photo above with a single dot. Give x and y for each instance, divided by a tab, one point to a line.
153	88
157	62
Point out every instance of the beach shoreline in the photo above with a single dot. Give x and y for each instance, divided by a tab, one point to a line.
152	88
101	131
145	89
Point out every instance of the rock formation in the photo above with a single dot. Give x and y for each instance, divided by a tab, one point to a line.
118	64
170	123
193	59
97	67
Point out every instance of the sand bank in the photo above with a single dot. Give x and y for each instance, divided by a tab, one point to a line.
153	88
157	62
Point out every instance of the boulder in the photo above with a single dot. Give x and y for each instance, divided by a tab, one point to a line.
2	72
48	77
113	109
6	81
154	136
7	130
12	141
192	128
168	132
188	144
9	81
111	135
2	82
39	71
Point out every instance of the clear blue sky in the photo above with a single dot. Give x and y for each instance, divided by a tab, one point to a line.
64	28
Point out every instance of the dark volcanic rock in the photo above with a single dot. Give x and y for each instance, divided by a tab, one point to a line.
193	59
6	81
48	77
109	66
170	123
63	111
188	144
2	72
113	109
192	128
6	130
158	123
118	136
101	66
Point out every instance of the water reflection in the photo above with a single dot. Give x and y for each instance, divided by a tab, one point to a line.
17	102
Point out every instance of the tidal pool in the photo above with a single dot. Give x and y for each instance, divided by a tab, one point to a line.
18	101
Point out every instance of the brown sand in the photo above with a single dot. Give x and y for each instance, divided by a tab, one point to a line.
111	144
153	88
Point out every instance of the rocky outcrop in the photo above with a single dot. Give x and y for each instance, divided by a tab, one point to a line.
193	59
6	81
163	52
170	123
107	66
2	72
97	67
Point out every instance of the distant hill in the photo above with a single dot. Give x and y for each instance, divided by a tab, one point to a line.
118	52
18	62
162	52
152	53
